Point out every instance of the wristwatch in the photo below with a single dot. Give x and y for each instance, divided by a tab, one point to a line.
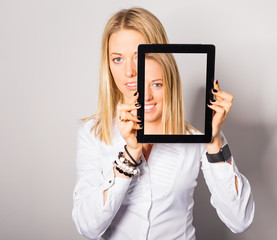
222	156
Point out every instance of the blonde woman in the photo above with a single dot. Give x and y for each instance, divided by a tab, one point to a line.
128	190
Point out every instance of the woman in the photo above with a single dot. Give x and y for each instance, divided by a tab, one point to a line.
109	201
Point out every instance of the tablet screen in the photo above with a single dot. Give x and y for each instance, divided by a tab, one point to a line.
174	84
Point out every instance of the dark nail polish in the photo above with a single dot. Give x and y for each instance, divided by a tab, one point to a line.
140	125
212	100
137	105
216	81
135	94
215	90
139	118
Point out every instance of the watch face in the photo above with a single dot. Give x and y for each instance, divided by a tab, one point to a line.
174	84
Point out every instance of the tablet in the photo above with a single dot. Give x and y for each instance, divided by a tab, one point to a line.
174	85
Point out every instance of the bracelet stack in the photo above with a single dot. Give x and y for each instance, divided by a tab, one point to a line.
125	166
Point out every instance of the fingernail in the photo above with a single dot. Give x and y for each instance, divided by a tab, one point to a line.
139	118
215	90
216	81
137	105
140	125
135	94
212	100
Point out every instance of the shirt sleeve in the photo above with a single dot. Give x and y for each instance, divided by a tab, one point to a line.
235	207
91	216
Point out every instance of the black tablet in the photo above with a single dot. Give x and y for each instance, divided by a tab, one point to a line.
174	85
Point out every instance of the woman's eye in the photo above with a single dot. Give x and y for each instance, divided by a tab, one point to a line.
157	85
117	60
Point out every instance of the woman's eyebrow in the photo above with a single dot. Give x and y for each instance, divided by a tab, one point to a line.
114	53
155	80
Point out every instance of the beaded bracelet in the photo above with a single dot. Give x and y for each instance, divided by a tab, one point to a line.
127	166
124	160
124	166
121	171
125	169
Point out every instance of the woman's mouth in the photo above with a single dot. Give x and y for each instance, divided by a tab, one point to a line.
149	108
131	86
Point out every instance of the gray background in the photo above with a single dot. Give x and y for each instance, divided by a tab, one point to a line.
192	69
49	56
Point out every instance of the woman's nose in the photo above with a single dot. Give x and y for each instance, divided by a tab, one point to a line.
131	69
148	94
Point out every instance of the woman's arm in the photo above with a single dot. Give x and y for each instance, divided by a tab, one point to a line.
97	198
221	107
92	211
230	192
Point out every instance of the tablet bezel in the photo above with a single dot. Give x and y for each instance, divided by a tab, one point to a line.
208	49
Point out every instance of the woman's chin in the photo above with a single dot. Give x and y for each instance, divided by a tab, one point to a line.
152	122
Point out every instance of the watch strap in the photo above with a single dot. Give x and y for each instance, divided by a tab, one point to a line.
222	156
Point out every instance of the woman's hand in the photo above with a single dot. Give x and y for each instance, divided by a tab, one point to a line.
128	124
221	106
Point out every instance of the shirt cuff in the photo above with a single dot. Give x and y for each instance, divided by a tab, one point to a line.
117	188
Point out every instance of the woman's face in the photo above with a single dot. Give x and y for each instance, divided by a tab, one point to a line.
154	92
123	60
123	65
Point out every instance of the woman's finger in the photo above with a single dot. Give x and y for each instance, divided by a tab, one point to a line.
216	85
220	111
137	126
128	122
128	126
132	104
135	97
223	95
218	119
224	104
215	89
133	100
127	116
128	107
127	112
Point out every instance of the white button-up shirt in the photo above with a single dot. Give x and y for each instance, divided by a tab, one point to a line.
159	204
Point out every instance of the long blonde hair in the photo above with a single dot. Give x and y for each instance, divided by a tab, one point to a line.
109	95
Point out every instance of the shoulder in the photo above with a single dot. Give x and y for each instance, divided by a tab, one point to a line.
193	131
88	124
89	129
86	131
